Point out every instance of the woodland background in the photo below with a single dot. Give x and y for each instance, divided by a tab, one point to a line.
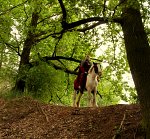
43	42
51	80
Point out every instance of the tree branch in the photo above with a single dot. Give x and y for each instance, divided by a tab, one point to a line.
120	2
11	46
100	20
64	23
8	10
63	10
59	38
46	36
61	57
104	9
27	17
67	26
63	69
89	27
59	98
48	60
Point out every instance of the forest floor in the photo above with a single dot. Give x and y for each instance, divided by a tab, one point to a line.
25	118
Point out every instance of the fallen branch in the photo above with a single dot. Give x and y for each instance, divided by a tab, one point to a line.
120	127
41	110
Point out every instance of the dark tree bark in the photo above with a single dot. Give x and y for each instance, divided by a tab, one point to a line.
138	55
1	55
25	56
23	67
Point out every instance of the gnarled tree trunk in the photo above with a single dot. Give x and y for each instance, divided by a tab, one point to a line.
138	55
24	61
23	67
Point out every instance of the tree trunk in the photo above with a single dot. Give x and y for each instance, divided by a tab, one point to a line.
1	55
23	69
138	55
25	56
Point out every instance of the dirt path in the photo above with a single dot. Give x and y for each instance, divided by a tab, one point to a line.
26	118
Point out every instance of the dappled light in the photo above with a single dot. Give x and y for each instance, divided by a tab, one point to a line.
43	42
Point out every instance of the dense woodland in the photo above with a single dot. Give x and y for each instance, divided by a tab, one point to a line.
43	42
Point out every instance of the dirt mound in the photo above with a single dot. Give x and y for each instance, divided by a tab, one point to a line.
26	118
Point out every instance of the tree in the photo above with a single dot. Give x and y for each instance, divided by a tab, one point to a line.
137	49
138	52
50	21
50	40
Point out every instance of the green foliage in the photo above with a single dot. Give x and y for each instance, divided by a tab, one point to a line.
43	81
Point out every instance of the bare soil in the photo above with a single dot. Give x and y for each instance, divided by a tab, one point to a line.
25	118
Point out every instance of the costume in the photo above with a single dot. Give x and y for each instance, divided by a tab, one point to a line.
80	81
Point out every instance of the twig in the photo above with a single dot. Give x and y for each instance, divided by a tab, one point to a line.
11	46
59	98
120	2
99	94
41	110
104	8
119	129
55	48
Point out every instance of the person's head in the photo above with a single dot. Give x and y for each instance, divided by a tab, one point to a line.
87	57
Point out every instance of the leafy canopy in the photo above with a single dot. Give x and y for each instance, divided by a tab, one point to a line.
103	42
